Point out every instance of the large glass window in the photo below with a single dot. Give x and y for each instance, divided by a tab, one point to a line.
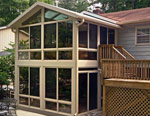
54	16
111	36
64	84
103	35
50	85
65	34
51	105
92	91
93	36
86	55
83	35
35	37
50	55
24	38
50	36
87	91
65	55
82	92
36	18
23	80
34	81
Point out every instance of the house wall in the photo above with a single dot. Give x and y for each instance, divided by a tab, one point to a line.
126	38
6	36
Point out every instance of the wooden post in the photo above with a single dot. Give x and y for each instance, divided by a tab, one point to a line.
104	100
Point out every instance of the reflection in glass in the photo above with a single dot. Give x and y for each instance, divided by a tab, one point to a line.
103	35
35	55
65	34
23	55
35	37
53	15
23	80
23	38
83	32
65	55
93	36
51	105
93	91
23	100
36	18
82	92
34	81
111	36
86	55
65	108
50	36
64	84
34	102
50	55
50	85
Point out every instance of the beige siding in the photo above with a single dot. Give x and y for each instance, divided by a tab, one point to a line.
6	36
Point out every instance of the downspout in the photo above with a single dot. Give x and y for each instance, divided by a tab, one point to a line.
78	25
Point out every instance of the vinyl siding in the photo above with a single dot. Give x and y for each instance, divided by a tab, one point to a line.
126	38
6	36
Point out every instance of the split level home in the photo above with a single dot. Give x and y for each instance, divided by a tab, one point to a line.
70	63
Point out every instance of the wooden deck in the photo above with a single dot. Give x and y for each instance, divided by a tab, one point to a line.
126	82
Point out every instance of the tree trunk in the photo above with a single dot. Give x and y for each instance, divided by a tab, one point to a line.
148	3
114	5
133	4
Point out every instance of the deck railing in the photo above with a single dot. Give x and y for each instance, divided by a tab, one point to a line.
111	51
126	69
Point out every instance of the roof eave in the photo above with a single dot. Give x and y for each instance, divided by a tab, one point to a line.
133	22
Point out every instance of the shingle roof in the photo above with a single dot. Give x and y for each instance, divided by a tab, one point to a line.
130	16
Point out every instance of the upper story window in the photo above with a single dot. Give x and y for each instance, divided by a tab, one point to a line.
50	15
36	18
143	36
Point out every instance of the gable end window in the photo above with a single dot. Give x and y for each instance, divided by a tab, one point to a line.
143	36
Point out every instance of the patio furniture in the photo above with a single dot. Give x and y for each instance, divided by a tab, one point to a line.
4	109
12	106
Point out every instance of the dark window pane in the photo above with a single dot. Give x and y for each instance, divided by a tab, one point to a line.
65	84
103	35
23	55
34	102
93	91
65	108
35	55
50	55
82	92
23	100
65	34
35	37
34	81
23	80
51	106
93	36
36	18
50	36
83	31
85	55
111	36
50	85
24	38
86	69
65	55
53	16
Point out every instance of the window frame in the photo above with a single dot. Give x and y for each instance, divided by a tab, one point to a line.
136	31
42	49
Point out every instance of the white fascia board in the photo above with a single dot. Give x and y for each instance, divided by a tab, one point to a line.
4	27
66	12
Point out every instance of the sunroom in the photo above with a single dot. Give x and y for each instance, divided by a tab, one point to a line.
56	69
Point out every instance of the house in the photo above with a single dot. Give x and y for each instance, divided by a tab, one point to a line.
63	58
6	36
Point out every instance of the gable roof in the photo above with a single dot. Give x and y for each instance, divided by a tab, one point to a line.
130	16
39	5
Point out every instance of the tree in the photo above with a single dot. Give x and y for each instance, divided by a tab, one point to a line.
74	5
120	5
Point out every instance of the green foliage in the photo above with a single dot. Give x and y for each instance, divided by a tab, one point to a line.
74	5
7	66
120	5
